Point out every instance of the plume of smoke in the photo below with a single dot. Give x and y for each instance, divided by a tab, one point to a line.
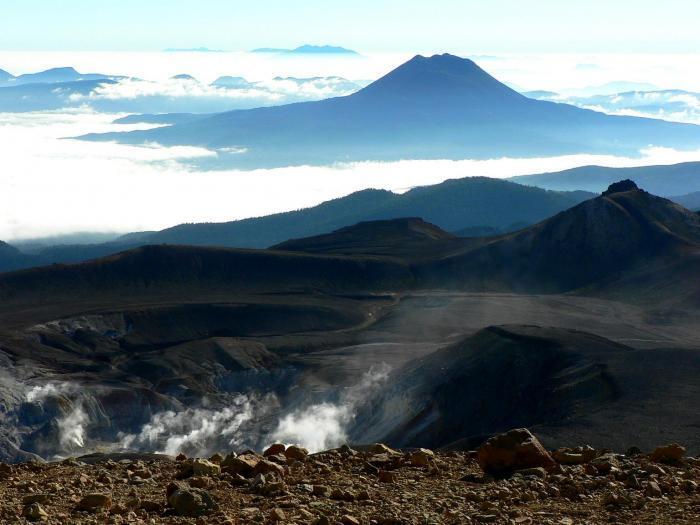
72	425
71	429
240	423
39	393
202	431
323	426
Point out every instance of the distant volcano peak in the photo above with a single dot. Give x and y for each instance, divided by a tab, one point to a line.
621	187
440	75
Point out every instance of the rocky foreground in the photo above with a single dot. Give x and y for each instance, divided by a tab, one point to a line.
511	479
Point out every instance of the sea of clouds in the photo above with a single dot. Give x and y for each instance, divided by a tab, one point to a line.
50	185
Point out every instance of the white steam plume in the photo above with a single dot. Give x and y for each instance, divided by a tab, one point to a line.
323	426
39	393
71	429
202	431
240	424
72	425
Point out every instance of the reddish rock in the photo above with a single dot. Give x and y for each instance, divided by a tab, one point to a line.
514	450
672	453
274	450
295	453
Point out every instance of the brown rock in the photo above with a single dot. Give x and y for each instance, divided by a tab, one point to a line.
274	450
386	476
672	453
295	453
95	502
244	464
190	502
605	463
653	490
202	467
514	450
421	457
349	520
268	467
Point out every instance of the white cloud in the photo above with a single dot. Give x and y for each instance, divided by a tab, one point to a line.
51	186
269	92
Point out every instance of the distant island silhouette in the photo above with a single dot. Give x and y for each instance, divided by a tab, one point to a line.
308	49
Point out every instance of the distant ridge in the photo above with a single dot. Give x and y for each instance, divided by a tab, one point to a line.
666	181
477	202
308	50
5	76
57	75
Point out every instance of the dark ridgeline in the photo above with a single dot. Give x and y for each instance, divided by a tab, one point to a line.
441	107
476	203
606	242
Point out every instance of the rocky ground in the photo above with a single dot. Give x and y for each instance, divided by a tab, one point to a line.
511	479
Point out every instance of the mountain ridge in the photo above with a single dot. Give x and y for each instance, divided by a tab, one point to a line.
475	202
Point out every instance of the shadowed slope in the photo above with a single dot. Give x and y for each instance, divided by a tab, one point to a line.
566	384
597	240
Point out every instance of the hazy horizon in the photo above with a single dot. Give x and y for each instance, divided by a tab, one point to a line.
504	26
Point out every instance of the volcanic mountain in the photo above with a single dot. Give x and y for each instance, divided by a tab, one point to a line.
428	108
625	234
410	238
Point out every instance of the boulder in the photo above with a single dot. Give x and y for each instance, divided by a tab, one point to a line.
202	467
295	453
421	457
268	467
244	464
672	453
190	502
274	450
514	450
35	512
95	502
605	463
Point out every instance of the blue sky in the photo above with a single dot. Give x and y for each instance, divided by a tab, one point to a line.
505	26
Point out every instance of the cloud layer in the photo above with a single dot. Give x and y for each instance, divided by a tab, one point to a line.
49	185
